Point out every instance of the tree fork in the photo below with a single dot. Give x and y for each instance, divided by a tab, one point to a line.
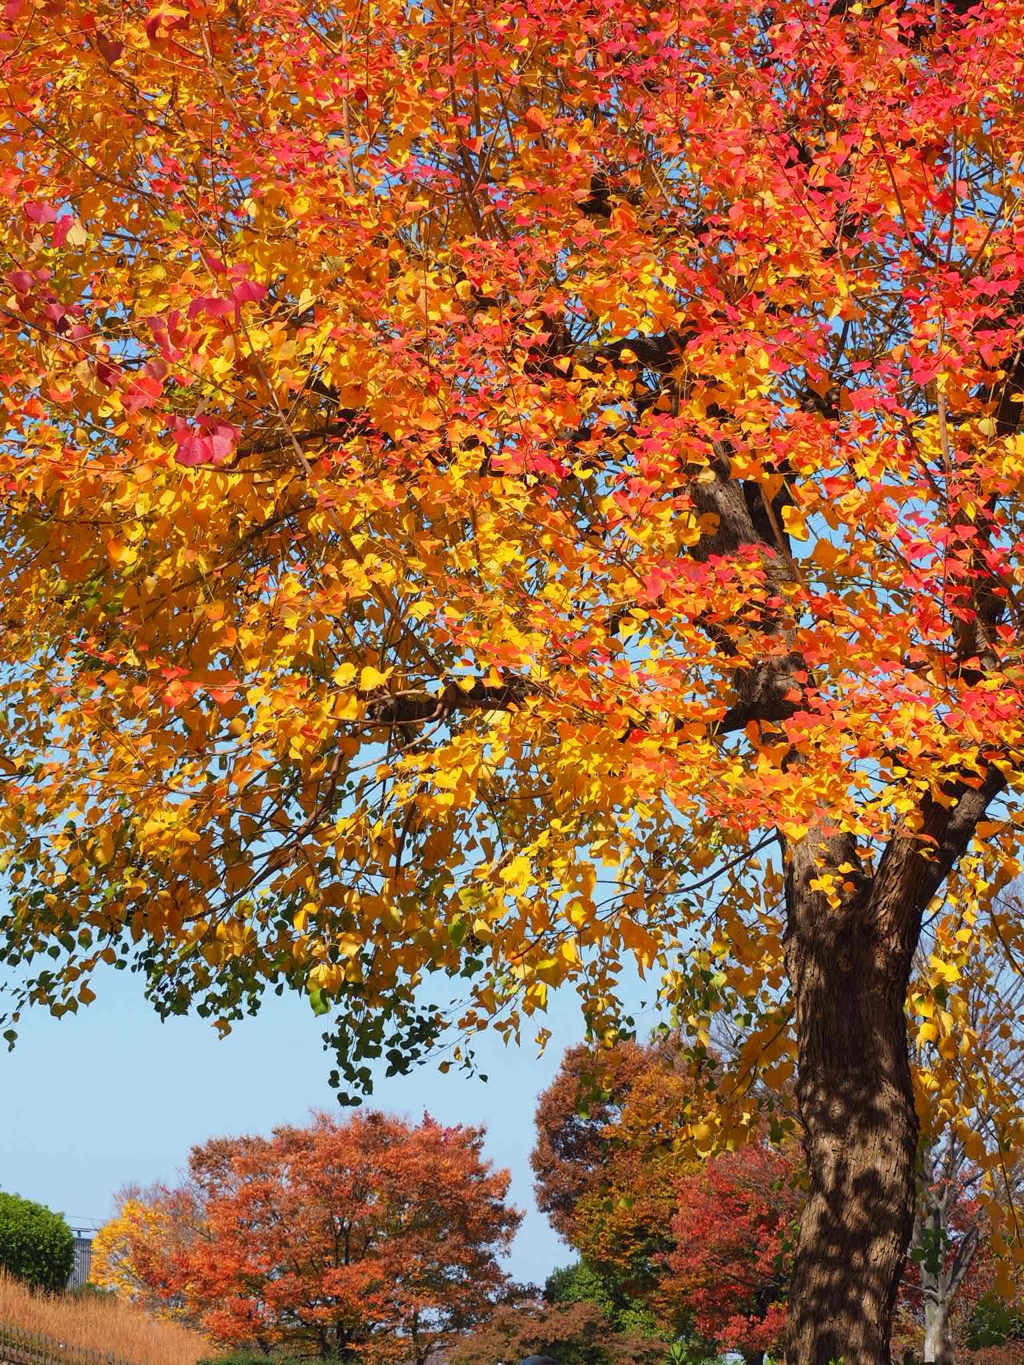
849	964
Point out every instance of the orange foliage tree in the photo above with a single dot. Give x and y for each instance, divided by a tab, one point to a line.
706	1247
452	449
370	1237
605	1162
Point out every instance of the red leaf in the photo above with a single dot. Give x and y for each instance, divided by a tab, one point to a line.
248	290
41	212
110	48
162	329
209	441
62	227
163	20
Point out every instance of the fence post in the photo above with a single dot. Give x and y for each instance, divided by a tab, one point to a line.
35	1348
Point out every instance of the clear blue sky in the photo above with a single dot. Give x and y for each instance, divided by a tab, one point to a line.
111	1096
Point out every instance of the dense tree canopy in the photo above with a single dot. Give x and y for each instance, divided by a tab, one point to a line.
706	1246
132	1253
503	488
36	1244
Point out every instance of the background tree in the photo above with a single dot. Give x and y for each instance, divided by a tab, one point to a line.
604	1160
574	1114
734	1233
368	1238
705	1246
948	1243
447	451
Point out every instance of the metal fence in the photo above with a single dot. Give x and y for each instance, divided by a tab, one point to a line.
18	1347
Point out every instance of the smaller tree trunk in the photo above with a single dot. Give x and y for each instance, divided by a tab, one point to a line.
938	1344
942	1273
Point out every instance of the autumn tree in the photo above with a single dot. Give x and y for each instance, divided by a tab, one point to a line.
573	1118
369	1238
492	490
707	1246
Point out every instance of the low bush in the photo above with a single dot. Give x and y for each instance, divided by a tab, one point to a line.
36	1245
258	1358
994	1323
242	1358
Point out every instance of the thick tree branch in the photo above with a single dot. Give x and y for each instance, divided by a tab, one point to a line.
916	863
965	1253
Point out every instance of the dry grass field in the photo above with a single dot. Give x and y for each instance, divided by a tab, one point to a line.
103	1325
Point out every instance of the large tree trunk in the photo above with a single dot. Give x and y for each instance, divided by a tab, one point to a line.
849	962
848	967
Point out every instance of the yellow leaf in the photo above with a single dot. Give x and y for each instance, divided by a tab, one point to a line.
120	555
104	846
793	521
370	678
826	554
973	1146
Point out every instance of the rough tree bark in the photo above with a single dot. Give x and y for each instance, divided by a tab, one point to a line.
849	969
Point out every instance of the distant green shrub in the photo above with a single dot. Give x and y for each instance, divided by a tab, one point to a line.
92	1291
245	1358
258	1358
36	1245
241	1358
581	1283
